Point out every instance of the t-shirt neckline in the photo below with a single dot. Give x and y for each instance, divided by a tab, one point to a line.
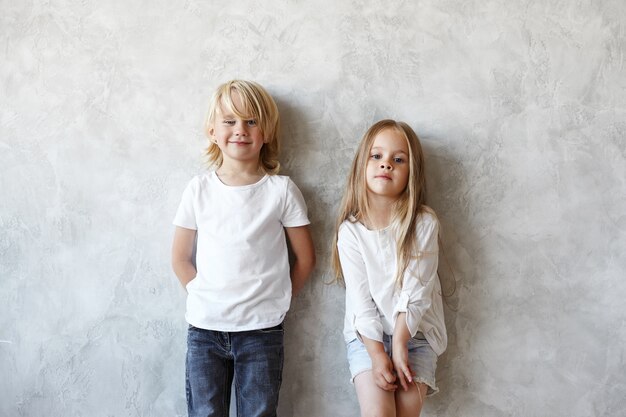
217	179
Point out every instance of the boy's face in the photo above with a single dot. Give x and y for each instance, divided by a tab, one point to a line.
239	139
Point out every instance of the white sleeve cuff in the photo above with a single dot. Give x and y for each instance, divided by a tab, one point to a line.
412	319
370	328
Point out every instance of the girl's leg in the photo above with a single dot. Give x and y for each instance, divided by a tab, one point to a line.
423	363
374	401
409	403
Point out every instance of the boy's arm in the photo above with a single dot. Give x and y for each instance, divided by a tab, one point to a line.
182	255
301	244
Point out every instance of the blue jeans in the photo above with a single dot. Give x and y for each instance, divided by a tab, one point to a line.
253	358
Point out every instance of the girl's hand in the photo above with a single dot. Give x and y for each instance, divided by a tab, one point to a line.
400	355
382	370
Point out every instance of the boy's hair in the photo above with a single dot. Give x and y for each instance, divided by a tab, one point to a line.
257	105
407	209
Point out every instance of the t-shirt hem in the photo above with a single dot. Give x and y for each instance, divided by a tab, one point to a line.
297	224
231	328
185	226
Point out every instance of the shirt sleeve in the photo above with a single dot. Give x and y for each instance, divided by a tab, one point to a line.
295	210
185	215
420	277
366	320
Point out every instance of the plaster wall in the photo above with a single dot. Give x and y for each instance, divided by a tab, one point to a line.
520	106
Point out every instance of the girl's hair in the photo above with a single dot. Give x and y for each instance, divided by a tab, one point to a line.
407	209
257	105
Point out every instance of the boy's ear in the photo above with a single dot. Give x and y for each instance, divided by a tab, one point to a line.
210	131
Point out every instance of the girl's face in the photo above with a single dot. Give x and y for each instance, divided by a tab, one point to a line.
387	171
238	138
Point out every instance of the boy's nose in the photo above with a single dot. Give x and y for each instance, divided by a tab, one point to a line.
241	130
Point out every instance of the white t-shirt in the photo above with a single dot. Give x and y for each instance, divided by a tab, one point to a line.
242	280
373	301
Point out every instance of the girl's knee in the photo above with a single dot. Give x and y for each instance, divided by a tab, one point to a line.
372	413
409	403
378	411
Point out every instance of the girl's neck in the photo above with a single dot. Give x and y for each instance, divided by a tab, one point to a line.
239	174
380	213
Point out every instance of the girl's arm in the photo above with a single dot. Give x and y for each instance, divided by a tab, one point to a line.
382	366
301	244
182	255
367	324
416	296
366	321
400	351
420	278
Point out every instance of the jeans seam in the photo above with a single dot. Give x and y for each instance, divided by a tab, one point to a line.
237	396
226	398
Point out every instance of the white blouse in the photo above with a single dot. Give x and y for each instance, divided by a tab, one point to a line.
373	300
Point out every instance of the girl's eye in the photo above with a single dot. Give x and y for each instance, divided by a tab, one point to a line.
252	122
376	156
229	122
398	160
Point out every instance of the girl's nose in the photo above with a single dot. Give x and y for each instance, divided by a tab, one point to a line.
385	165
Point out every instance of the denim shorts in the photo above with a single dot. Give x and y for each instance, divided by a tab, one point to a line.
422	360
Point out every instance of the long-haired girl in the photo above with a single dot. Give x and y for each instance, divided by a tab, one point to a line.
386	253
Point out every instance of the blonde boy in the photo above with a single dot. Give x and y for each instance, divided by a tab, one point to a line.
240	283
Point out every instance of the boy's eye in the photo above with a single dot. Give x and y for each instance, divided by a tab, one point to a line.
251	122
229	122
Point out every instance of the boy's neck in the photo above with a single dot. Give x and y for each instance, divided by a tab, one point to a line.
239	174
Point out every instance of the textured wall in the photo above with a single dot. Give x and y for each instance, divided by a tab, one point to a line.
521	108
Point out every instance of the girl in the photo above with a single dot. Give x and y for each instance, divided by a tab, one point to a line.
386	253
239	284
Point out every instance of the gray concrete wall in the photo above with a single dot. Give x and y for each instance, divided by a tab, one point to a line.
521	109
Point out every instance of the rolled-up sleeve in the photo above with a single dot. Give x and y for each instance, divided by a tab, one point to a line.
366	320
420	277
